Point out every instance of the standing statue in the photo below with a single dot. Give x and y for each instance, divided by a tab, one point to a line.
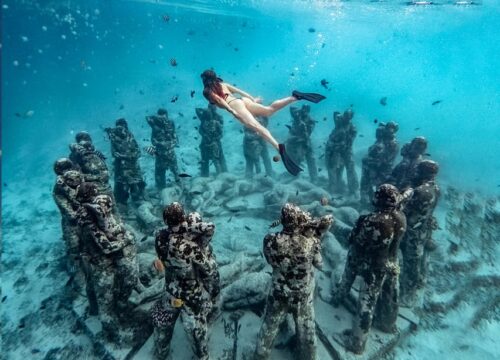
292	253
255	149
299	141
128	175
377	164
211	131
90	162
338	153
191	280
373	255
421	223
412	152
164	140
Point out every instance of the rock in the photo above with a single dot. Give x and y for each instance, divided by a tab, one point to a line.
145	215
332	250
170	195
346	214
237	204
244	263
147	272
154	291
341	231
250	289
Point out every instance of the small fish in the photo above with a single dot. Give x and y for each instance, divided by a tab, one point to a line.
289	127
319	169
35	351
436	102
236	49
195	117
375	121
361	135
229	220
158	265
22	325
196	192
141	92
311	30
234	210
416	129
427	154
144	238
184	175
192	93
174	98
17	115
297	193
4	298
275	224
247	228
181	114
166	18
324	119
324	83
152	61
4	184
196	127
292	74
173	62
100	155
151	150
322	156
383	101
121	107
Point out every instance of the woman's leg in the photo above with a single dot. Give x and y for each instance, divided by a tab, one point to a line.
262	110
250	122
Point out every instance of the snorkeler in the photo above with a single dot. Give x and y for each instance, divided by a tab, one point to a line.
246	108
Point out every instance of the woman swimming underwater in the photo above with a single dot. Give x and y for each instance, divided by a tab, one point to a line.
246	107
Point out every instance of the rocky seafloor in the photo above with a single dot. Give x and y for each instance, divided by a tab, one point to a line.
458	315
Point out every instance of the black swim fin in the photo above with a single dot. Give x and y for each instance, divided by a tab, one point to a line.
290	165
312	97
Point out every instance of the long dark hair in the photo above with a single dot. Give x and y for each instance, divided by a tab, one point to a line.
211	84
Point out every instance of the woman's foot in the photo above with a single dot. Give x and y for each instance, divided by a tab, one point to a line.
312	97
290	165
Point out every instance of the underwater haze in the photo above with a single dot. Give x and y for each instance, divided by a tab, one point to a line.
69	66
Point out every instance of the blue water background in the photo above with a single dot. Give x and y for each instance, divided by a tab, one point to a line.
411	55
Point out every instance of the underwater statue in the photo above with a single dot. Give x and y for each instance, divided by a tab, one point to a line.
255	150
90	162
245	108
490	228
420	225
373	255
377	164
293	253
164	140
109	256
192	282
412	153
211	130
126	153
65	196
299	140
338	154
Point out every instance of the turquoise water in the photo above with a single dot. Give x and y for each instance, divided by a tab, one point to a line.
79	65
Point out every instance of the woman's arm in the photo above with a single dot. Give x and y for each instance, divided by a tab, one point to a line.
234	89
